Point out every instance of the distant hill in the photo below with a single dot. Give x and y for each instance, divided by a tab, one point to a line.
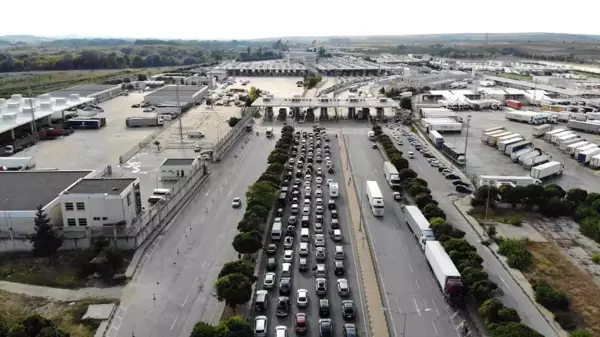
28	39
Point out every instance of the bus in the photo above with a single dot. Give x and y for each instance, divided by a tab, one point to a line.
269	132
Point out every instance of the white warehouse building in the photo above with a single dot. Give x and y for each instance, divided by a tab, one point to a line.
177	168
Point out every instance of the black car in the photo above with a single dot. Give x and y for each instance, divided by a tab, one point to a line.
319	218
330	170
350	330
271	264
338	267
325	327
441	168
335	223
334	214
463	189
427	155
283	306
285	286
452	176
323	307
460	182
290	231
348	310
279	212
331	204
271	249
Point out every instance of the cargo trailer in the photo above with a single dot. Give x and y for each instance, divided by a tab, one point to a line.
494	138
528	156
514	104
548	135
555	136
595	161
570	149
489	180
418	225
540	130
507	137
485	137
457	156
564	138
578	116
86	123
549	169
436	139
563	117
144	121
493	129
445	272
391	174
591	127
583	149
535	161
375	198
586	156
518	146
563	144
502	144
16	163
530	117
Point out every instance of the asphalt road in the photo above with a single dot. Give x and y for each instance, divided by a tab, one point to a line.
411	294
183	264
443	191
306	279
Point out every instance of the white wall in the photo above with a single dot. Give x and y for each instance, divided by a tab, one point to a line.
174	172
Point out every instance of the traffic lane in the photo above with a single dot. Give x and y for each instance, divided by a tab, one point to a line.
162	273
407	280
511	293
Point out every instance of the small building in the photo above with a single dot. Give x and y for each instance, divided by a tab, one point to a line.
101	202
177	168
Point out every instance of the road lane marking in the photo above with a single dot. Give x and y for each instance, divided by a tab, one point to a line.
416	282
174	322
184	301
453	315
427	308
434	328
417	306
506	284
411	270
435	306
398	305
229	193
196	280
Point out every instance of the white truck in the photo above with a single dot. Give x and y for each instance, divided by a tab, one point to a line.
549	169
526	157
570	149
493	139
418	225
504	143
595	161
375	198
488	180
485	137
391	174
155	120
548	135
586	156
16	163
540	130
583	149
535	161
554	138
566	142
334	189
530	117
515	155
445	272
561	139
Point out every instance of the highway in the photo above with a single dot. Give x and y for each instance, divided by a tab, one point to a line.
174	288
443	191
306	279
411	294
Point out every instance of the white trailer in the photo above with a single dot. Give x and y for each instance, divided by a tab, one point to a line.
16	163
561	139
530	117
375	198
445	272
535	161
570	149
548	135
485	137
586	156
493	129
515	155
485	180
563	117
595	161
504	143
540	130
391	174
518	146
556	136
494	138
583	148
549	169
418	225
526	157
563	144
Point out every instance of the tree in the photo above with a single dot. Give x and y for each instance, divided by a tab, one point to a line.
234	289
382	91
45	240
433	211
239	267
202	329
513	329
247	243
400	163
406	103
483	290
416	189
577	196
257	211
249	224
235	327
422	200
268	177
473	275
550	298
406	174
232	121
277	158
262	190
142	77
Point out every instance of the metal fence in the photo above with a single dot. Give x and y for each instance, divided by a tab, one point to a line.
139	146
225	144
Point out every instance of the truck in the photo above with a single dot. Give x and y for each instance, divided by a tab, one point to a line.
418	225
86	123
530	117
554	137
133	122
591	127
514	147
488	180
562	139
334	189
570	149
516	154
521	160
566	142
446	273
375	198
549	169
535	161
493	139
595	161
503	138
540	130
455	155
514	104
583	148
436	139
16	163
586	156
485	137
548	135
493	129
504	143
391	174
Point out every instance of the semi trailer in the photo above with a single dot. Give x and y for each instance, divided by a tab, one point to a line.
518	146
418	225
391	174
488	180
375	198
436	139
504	143
595	161
133	122
445	272
583	149
548	135
586	156
570	149
591	127
458	157
563	144
16	163
540	130
515	155
526	157
535	161
485	137
546	170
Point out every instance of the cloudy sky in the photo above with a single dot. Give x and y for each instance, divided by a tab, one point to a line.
243	19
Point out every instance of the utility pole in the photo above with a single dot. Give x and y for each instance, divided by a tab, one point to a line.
179	111
467	137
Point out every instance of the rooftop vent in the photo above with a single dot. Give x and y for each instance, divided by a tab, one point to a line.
45	98
2	103
29	102
115	188
13	107
46	106
16	97
28	110
9	116
61	101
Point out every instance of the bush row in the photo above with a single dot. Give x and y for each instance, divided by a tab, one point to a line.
235	326
500	320
234	283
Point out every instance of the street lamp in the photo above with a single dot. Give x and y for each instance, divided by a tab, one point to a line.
405	314
467	137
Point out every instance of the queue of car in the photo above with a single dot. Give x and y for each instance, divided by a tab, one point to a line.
310	217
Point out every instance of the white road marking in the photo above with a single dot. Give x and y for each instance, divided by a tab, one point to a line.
229	193
435	306
416	282
459	325
184	301
434	328
411	270
174	322
417	306
453	315
506	284
398	304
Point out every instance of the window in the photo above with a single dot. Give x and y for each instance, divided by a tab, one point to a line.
81	206
71	222
104	218
128	199
82	222
96	218
69	206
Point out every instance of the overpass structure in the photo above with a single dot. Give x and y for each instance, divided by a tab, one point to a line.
304	108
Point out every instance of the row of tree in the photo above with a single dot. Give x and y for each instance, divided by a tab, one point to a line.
31	326
234	327
234	284
258	55
465	257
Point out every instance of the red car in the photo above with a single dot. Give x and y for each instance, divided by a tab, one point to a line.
301	323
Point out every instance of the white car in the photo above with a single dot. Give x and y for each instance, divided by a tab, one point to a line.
303	249
236	203
269	282
288	256
307	183
318	228
295	209
319	201
319	209
288	242
337	235
319	240
308	177
343	287
306	210
319	193
307	190
306	202
281	331
302	298
319	180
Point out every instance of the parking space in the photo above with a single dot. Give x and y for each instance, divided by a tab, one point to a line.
93	149
483	159
325	227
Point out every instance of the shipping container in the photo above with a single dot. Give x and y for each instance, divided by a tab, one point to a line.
514	104
518	146
549	134
570	149
591	127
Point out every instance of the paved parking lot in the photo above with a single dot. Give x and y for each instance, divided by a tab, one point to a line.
93	149
307	279
483	159
278	86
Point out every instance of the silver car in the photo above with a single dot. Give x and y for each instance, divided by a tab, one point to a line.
343	287
320	240
269	282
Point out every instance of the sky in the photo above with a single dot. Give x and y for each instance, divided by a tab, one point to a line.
243	19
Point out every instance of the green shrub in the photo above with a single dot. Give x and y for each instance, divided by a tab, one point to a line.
517	254
565	320
515	221
596	258
580	333
552	299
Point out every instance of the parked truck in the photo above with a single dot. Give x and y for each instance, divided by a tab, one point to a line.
591	127
595	161
504	143
418	225
133	122
556	136
530	117
391	174
488	180
570	149
515	155
586	156
458	157
436	139
514	104
563	144
546	170
583	149
535	161
504	138
16	163
86	123
566	137
493	139
375	198
526	157
485	137
494	128
540	130
445	273
548	135
514	147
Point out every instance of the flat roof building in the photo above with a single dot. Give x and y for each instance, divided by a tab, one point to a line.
99	92
170	94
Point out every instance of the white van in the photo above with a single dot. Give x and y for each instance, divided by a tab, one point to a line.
162	192
155	199
276	231
304	235
195	134
339	253
286	269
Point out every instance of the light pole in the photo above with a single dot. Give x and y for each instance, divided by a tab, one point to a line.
405	315
467	137
359	191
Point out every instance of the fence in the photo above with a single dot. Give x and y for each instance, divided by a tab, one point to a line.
225	144
139	146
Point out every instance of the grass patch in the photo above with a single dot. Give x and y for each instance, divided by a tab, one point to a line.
502	215
24	268
552	266
66	315
516	76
